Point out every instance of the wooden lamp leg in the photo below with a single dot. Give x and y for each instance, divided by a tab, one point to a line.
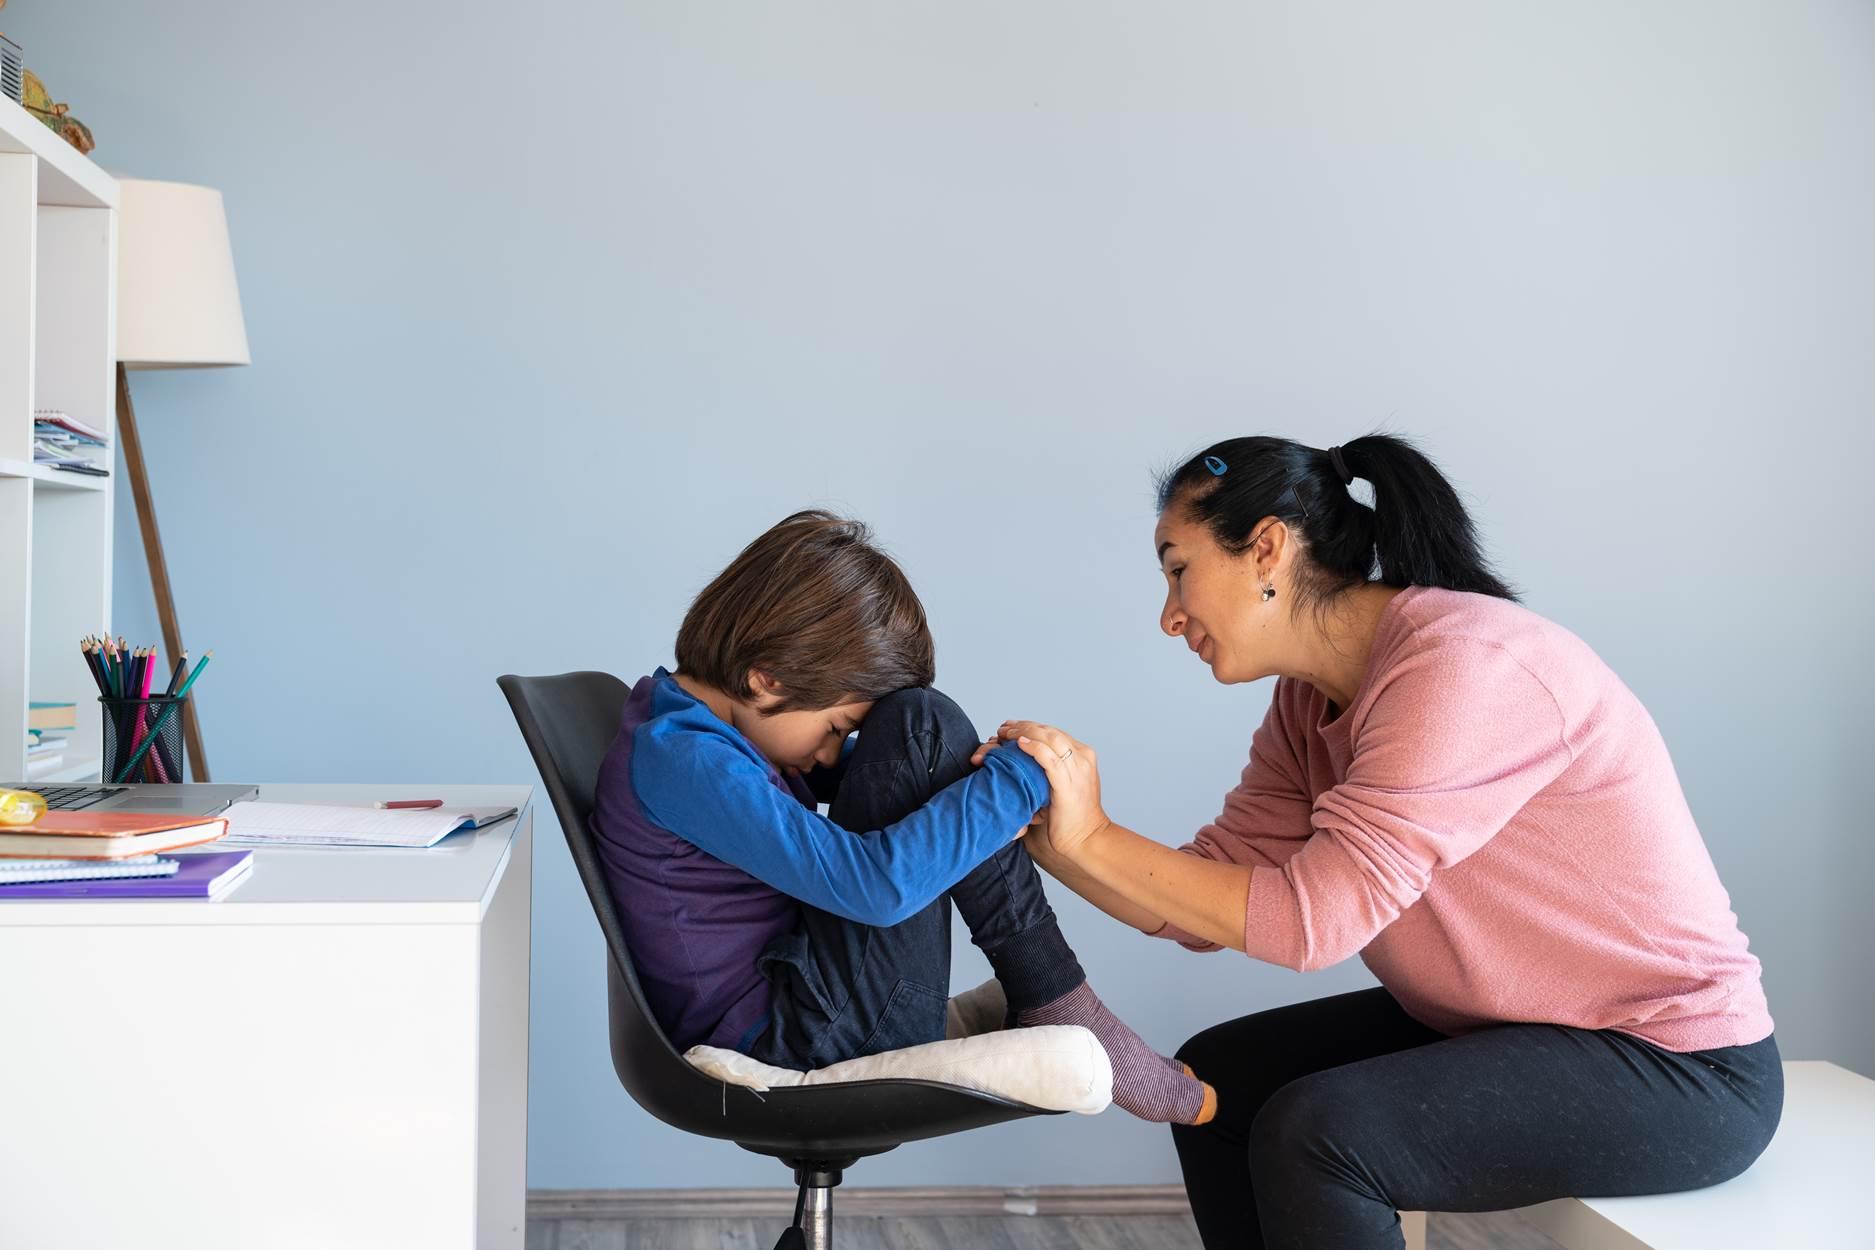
159	569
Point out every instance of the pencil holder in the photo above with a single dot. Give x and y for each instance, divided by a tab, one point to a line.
142	739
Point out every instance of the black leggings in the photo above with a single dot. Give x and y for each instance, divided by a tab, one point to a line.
1338	1113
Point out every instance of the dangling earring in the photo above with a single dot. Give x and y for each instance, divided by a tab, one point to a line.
1269	591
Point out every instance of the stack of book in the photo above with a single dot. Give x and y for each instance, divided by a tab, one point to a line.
45	752
49	727
67	443
112	854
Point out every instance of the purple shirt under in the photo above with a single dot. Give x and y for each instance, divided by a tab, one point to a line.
664	889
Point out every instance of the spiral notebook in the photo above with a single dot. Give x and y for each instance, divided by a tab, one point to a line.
202	874
20	871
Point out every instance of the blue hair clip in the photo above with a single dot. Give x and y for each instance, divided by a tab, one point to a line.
1216	466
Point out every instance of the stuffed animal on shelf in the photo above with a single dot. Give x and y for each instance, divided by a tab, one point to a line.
39	103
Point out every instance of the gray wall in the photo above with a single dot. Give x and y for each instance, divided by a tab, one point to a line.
553	308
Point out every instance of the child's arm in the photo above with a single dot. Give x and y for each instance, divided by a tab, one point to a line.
712	794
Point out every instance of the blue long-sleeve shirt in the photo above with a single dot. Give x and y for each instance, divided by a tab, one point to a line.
709	851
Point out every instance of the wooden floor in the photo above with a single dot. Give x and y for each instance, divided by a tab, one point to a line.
1499	1231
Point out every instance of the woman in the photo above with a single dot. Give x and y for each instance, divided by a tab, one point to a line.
1462	793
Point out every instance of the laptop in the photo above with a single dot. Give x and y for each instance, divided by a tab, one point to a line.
179	800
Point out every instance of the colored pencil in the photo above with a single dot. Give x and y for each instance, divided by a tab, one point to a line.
96	665
199	666
182	662
141	723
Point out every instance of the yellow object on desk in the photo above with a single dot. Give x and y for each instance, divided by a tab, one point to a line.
20	807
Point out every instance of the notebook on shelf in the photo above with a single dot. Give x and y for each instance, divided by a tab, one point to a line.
53	418
208	875
105	835
52	716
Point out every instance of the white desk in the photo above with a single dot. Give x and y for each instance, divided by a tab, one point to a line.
333	1055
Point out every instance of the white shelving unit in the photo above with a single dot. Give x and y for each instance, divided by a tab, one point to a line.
58	328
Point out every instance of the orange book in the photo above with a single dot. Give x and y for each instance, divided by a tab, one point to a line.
106	835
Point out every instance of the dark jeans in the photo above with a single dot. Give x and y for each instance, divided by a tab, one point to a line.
843	989
1335	1114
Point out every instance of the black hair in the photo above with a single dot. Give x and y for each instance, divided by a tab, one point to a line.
1417	533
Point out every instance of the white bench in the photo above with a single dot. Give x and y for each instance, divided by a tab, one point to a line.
1804	1191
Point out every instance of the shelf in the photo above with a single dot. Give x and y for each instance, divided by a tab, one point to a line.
66	175
58	257
53	478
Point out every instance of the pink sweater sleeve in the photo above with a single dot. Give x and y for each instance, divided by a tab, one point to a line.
1265	819
1458	740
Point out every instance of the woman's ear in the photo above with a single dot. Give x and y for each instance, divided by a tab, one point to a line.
1271	543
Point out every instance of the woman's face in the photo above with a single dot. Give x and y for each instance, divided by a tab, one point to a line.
1213	602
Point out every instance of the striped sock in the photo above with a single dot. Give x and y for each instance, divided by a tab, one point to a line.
1145	1082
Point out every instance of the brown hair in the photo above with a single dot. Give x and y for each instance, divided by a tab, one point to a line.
815	605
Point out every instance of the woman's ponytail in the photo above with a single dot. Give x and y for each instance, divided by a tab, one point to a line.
1417	533
1422	534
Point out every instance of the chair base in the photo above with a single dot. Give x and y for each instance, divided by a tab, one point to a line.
813	1213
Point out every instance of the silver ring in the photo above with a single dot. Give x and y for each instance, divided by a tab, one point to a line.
1065	754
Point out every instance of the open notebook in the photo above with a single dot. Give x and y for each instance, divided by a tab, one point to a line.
322	824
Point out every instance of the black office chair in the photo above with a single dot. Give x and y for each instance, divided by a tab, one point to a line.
569	722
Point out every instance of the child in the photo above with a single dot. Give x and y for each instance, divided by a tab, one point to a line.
759	925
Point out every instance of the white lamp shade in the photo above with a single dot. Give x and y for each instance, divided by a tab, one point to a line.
177	303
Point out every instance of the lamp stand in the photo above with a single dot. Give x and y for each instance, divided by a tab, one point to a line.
159	569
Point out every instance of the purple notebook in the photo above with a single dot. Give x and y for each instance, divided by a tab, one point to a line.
204	875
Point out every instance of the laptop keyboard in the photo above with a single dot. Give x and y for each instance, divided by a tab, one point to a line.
67	798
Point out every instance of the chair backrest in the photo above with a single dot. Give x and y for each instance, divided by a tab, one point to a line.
569	722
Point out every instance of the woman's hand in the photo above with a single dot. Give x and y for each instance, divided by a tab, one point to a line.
1074	811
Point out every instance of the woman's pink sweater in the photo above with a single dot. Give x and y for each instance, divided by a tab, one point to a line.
1496	828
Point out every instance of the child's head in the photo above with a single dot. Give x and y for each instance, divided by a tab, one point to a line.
802	632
